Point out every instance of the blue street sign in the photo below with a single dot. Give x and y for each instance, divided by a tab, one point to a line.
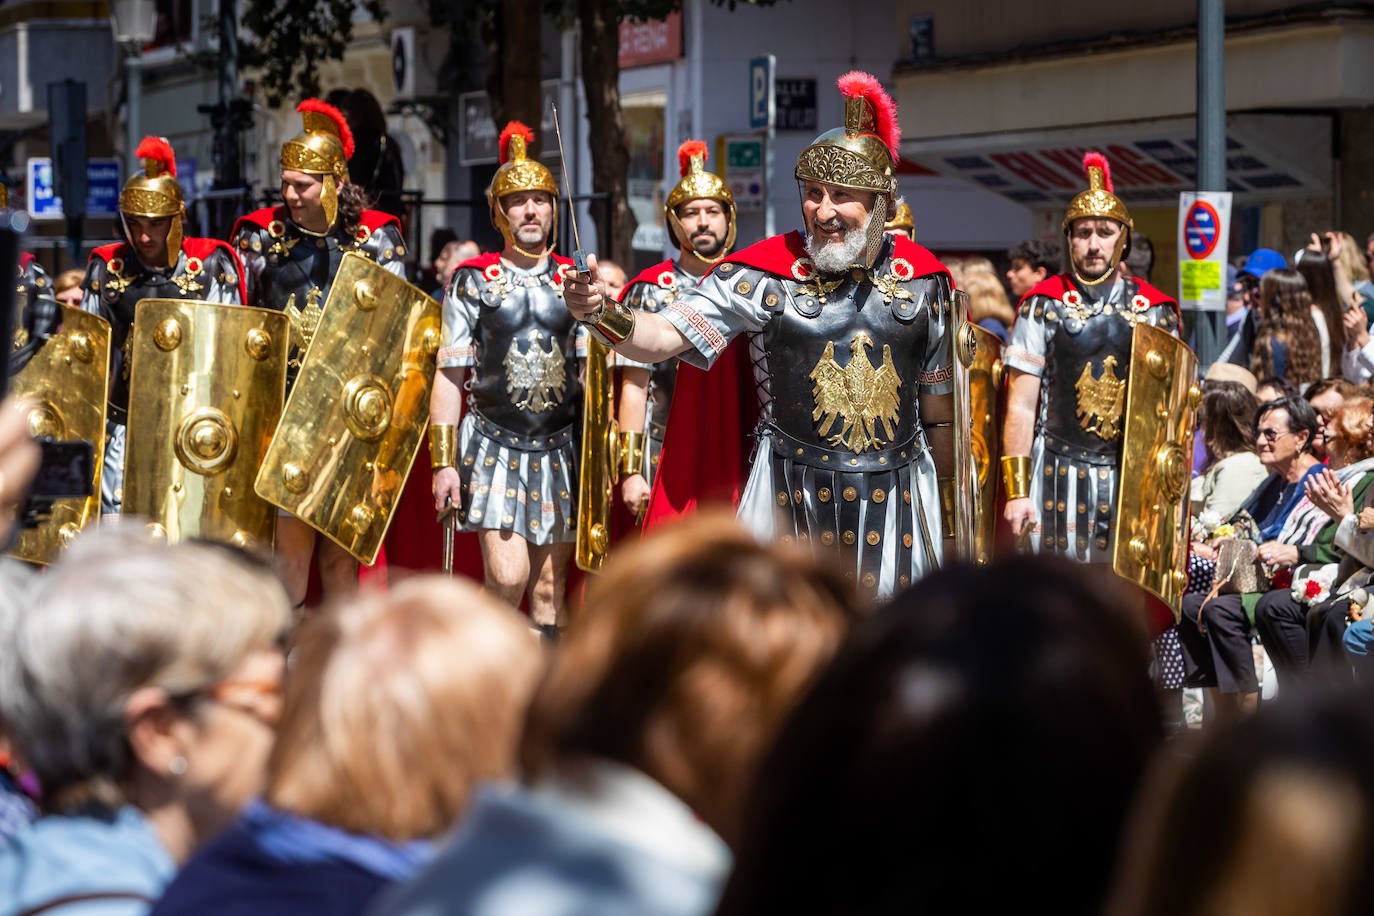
761	97
102	191
1202	228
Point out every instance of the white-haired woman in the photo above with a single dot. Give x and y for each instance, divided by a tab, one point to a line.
140	686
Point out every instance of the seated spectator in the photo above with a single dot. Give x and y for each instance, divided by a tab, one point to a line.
1031	262
140	687
1326	396
885	779
644	735
1226	420
397	706
1215	630
1271	815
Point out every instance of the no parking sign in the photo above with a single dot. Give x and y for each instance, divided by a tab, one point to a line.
1204	226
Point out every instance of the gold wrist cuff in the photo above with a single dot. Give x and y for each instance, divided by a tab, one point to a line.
631	453
948	508
443	446
613	322
1016	471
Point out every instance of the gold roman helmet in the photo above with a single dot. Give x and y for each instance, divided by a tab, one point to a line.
862	155
698	184
1099	202
155	192
323	149
903	220
518	172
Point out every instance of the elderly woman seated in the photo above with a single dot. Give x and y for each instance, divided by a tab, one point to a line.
1294	529
140	686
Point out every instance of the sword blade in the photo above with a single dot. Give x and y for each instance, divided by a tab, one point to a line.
579	259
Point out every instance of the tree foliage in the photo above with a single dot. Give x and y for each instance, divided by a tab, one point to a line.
293	37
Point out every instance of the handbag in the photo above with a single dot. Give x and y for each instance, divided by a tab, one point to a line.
1239	570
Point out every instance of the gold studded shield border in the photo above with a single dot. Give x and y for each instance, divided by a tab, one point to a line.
352	426
977	377
1162	396
67	380
206	385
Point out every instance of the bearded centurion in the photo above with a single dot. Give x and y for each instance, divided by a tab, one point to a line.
845	343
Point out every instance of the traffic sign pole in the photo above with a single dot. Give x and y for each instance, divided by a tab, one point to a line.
763	116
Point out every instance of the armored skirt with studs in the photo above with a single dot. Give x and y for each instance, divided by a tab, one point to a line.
517	443
653	291
115	282
1077	339
839	363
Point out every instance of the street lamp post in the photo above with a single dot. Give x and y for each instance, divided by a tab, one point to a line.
134	23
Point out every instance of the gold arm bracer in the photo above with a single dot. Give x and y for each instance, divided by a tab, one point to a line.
1016	471
948	506
443	446
612	323
631	453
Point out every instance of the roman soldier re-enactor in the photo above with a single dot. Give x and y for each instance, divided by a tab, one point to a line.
511	345
155	262
1067	363
37	315
849	342
700	213
291	253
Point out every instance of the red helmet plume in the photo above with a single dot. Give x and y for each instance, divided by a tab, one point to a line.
340	122
159	151
1096	160
686	151
857	84
515	129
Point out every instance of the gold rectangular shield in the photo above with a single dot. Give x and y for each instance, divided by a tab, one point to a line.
1162	396
68	381
352	425
600	459
977	375
206	385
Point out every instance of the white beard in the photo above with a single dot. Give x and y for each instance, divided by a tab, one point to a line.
836	257
530	235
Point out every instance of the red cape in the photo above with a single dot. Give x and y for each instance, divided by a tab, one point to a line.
194	248
488	258
1056	286
649	275
371	220
707	446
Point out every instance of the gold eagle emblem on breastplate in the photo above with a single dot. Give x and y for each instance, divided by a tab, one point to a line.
1102	398
539	373
863	397
303	323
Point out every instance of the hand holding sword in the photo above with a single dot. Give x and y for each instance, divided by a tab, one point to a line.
584	291
448	521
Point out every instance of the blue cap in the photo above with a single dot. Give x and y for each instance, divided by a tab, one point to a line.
1263	260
